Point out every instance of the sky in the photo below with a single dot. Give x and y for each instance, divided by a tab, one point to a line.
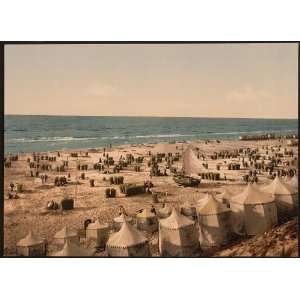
184	80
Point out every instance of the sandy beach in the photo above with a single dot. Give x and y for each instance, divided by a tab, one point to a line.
29	212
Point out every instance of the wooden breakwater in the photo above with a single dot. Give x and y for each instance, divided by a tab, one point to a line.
268	136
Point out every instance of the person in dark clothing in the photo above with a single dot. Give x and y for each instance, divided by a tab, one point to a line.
12	186
139	211
122	210
153	210
86	223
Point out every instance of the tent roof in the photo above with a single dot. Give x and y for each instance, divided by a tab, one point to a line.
146	213
279	187
72	249
97	225
211	206
293	182
29	240
227	194
176	220
65	233
190	163
127	236
187	204
167	209
252	195
122	218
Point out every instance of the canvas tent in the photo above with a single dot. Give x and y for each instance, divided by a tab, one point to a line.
178	236
293	182
118	221
214	222
253	211
286	197
98	233
147	221
73	250
66	234
191	165
128	242
189	210
31	246
164	212
225	196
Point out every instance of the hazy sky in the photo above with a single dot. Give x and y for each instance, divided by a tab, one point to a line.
233	80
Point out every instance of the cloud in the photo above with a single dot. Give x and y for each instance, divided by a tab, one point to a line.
249	95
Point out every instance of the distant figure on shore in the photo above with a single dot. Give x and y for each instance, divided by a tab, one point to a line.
86	223
153	210
122	210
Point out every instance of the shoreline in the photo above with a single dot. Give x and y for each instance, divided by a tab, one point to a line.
148	144
140	116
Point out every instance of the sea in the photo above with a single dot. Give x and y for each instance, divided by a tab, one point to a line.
47	133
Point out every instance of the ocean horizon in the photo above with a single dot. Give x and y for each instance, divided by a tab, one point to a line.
42	133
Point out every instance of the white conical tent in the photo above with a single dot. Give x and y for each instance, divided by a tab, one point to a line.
286	197
118	221
31	246
71	249
253	211
129	242
191	165
66	234
178	236
98	233
214	221
147	221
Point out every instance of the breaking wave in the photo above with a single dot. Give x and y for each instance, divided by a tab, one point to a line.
51	139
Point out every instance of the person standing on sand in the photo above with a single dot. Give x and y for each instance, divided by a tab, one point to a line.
12	186
122	210
153	210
